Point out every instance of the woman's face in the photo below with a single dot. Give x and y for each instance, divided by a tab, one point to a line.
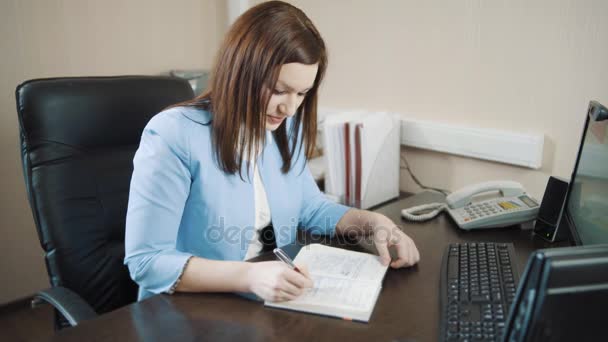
295	79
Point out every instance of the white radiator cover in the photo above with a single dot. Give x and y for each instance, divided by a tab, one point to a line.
489	144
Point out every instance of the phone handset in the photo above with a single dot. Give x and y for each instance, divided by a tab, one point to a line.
464	196
461	198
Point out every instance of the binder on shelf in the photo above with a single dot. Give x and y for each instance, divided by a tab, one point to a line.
361	151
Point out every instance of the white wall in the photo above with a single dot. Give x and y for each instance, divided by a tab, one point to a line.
47	38
518	65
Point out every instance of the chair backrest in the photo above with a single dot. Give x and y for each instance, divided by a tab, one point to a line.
78	139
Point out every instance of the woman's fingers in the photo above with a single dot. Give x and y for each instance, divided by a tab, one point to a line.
281	296
301	280
407	252
290	289
404	255
293	283
415	252
304	270
381	242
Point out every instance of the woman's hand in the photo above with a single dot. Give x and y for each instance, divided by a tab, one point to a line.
386	234
276	282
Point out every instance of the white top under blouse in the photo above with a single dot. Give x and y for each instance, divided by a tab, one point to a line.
262	210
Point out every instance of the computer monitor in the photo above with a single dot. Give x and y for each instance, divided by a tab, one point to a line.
586	208
563	292
562	296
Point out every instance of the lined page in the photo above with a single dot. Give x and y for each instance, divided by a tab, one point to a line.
346	283
336	292
337	263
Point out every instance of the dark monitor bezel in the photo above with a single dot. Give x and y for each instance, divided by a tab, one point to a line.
576	239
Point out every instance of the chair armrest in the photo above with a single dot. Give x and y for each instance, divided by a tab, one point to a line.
67	302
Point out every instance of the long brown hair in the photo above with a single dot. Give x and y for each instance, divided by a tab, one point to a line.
244	75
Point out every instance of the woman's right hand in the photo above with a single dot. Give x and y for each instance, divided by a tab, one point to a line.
276	282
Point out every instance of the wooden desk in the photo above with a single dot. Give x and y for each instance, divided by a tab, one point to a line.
407	309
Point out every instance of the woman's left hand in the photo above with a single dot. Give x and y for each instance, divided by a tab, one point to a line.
387	235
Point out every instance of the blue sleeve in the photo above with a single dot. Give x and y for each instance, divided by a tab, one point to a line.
318	214
160	186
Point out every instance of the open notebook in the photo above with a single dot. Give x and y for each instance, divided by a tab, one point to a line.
346	283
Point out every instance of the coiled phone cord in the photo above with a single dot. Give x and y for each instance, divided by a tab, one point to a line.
412	213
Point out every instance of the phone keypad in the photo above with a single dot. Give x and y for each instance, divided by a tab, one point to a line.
479	210
496	212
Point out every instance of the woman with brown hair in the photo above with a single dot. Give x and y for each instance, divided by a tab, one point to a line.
220	178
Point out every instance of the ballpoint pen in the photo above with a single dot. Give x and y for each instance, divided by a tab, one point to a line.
286	259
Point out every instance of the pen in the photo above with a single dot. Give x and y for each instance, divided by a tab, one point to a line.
286	259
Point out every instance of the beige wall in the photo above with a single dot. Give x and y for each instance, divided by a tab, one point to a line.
524	66
46	38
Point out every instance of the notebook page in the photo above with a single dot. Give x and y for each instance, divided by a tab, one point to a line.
338	263
339	293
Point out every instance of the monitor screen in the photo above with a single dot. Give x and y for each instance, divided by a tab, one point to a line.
587	203
562	296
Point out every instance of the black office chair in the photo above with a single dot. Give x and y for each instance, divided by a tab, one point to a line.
78	139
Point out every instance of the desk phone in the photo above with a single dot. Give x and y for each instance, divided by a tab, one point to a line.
511	206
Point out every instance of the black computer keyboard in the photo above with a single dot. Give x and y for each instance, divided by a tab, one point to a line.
478	283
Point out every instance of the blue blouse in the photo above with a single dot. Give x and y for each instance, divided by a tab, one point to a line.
181	204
